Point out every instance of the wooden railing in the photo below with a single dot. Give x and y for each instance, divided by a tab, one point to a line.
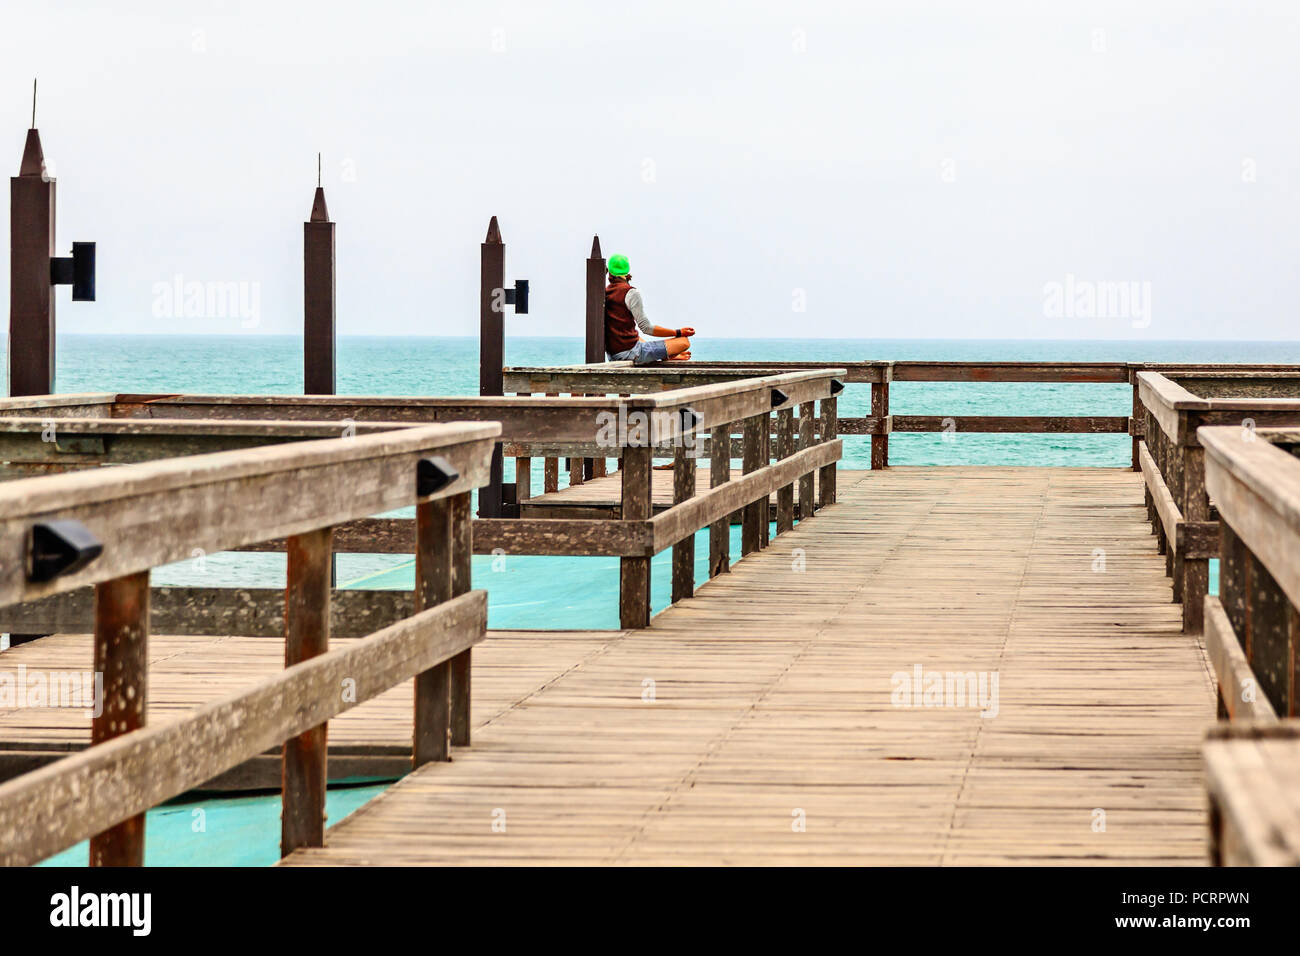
881	423
1173	403
1252	634
108	527
570	427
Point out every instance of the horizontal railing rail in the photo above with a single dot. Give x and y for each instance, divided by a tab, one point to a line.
108	528
623	377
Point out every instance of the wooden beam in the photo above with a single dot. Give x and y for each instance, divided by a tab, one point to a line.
307	635
213	612
433	586
122	656
719	529
1018	424
634	573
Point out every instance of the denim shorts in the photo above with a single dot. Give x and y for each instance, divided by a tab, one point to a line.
644	352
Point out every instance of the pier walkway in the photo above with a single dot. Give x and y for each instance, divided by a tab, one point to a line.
753	723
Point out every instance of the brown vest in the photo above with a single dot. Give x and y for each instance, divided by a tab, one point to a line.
620	327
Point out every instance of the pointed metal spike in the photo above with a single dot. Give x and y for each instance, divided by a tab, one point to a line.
595	248
494	231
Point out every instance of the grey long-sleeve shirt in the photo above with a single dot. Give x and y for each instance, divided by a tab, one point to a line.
637	308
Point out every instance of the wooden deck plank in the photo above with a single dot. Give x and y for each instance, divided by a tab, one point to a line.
772	703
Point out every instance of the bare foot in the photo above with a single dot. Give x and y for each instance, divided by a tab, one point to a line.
681	357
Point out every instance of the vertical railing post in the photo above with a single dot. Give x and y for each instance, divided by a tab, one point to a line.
1176	455
765	503
1136	416
1195	506
784	449
491	350
684	550
462	553
751	538
805	440
523	474
31	294
880	412
720	474
551	466
826	474
433	585
307	634
634	572
122	657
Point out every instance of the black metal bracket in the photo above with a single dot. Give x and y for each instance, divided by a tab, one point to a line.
836	386
433	474
518	296
60	547
690	418
77	270
779	398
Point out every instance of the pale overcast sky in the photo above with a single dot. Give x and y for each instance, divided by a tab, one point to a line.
900	169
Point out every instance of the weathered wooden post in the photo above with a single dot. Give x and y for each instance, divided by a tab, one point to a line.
751	522
634	573
307	634
784	449
318	327
720	474
595	349
880	412
829	427
595	303
122	656
491	351
462	541
493	299
804	439
34	271
434	573
684	550
31	295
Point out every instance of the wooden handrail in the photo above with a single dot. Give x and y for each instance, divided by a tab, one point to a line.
122	521
62	803
158	512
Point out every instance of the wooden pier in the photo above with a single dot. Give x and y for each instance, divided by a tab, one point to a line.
933	665
771	736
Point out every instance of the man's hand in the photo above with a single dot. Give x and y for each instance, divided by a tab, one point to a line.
686	331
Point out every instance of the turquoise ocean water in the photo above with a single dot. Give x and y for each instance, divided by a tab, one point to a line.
548	592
